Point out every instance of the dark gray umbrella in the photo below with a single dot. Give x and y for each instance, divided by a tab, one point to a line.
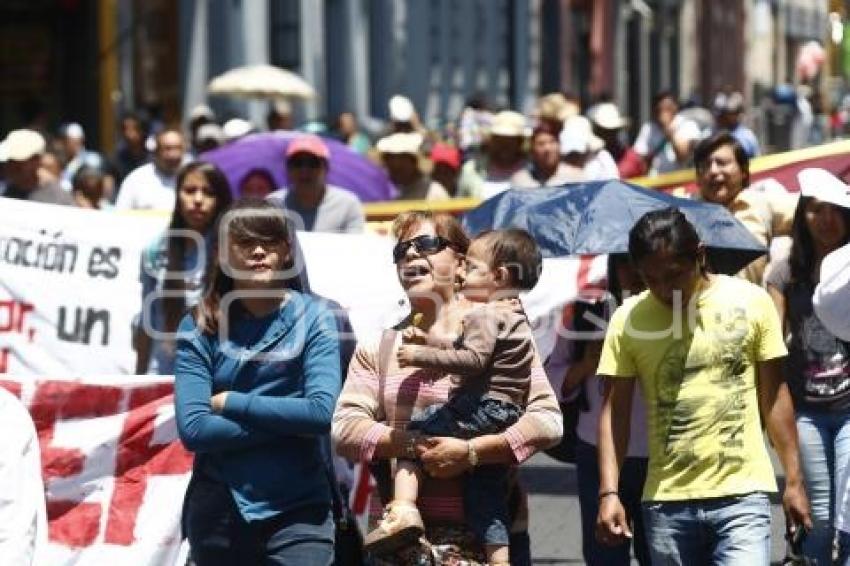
595	218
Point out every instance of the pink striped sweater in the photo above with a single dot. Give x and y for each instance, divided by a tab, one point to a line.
378	396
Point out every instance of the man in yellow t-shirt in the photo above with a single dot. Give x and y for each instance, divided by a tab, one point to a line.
706	350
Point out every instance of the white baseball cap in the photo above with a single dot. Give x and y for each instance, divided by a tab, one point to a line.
509	124
577	137
210	132
400	143
401	109
21	145
832	295
201	111
235	128
824	186
606	115
74	131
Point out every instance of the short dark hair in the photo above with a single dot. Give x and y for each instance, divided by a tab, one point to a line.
667	228
138	119
85	173
704	149
260	171
515	250
545	128
661	95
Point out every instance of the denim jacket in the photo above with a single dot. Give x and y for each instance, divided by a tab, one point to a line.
282	374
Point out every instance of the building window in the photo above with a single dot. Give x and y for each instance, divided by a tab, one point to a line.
285	33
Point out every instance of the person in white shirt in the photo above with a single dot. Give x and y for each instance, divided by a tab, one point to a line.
667	141
23	515
151	186
832	295
581	148
831	304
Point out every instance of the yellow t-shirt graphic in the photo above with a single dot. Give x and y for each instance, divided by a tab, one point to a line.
697	372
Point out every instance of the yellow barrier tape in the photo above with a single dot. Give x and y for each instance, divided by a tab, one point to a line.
757	165
391	209
380	214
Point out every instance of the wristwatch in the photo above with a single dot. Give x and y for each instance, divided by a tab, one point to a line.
410	447
472	455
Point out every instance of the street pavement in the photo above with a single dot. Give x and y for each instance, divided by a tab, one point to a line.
555	518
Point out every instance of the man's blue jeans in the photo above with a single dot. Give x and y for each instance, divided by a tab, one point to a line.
725	531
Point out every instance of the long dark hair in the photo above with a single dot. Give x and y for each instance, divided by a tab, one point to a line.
268	223
802	259
667	228
174	304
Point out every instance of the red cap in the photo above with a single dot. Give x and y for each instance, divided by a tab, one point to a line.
445	153
308	144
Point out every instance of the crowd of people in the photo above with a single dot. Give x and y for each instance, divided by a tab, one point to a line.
447	403
478	155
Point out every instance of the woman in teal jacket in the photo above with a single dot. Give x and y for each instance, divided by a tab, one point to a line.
256	381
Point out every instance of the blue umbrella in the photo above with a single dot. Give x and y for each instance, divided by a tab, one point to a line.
348	169
595	218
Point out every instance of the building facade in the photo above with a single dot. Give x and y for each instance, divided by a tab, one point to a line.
88	60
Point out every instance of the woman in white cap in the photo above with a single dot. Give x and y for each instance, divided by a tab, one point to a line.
609	125
580	147
818	364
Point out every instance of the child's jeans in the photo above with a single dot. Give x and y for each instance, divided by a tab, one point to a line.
466	416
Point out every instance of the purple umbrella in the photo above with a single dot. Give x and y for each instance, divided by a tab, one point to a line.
348	170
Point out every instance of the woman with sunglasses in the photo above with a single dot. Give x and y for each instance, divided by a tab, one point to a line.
379	398
256	379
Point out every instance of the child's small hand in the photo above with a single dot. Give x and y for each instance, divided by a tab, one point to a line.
413	335
405	355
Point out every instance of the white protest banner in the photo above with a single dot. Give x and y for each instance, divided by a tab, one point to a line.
356	271
563	281
114	473
69	288
113	470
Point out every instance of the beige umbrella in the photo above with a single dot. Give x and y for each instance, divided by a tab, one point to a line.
261	81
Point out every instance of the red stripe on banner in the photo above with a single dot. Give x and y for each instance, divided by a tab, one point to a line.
12	387
72	523
362	489
138	460
582	287
584	265
68	399
592	290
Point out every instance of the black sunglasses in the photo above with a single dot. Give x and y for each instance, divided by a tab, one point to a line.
424	245
306	161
